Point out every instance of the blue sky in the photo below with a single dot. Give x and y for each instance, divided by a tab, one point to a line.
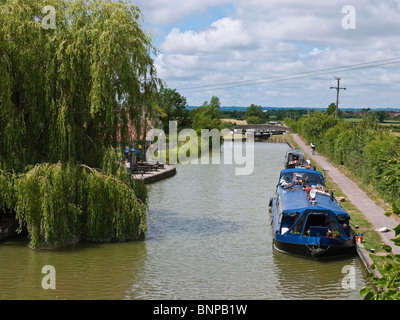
216	42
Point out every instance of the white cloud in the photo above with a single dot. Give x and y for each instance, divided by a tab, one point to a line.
261	39
315	52
183	65
223	34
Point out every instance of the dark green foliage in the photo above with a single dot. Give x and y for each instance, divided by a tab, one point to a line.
331	110
174	107
255	114
387	286
254	120
358	146
207	116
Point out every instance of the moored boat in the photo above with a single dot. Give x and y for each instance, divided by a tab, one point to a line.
307	219
294	158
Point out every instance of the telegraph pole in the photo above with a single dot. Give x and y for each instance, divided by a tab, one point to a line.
337	95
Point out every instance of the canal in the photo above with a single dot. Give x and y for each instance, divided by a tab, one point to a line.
209	237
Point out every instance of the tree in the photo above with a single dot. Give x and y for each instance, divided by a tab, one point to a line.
207	116
381	115
66	103
332	110
255	113
174	106
254	120
313	126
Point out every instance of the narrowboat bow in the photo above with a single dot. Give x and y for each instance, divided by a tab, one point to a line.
307	219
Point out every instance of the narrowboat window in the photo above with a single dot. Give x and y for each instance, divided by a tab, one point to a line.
346	228
298	224
315	219
344	224
325	220
290	177
287	177
288	219
313	178
334	226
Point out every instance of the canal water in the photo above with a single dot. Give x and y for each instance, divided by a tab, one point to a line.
209	237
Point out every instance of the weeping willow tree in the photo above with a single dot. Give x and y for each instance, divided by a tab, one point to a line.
68	95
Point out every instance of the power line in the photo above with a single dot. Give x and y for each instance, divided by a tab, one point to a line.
328	97
293	76
301	75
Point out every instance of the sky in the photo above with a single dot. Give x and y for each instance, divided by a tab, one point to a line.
278	53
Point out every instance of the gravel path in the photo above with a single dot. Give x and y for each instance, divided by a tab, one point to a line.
374	213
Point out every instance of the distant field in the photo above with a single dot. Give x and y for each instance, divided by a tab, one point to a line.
390	123
238	122
394	123
352	119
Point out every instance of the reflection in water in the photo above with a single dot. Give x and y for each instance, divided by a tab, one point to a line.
209	237
168	223
307	279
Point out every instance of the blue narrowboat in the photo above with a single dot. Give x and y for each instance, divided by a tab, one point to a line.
307	219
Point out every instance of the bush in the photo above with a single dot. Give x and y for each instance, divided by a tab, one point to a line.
358	146
254	120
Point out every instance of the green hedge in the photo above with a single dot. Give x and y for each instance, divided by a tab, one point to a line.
360	147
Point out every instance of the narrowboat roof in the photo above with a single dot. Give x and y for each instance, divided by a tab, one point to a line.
295	151
301	170
295	200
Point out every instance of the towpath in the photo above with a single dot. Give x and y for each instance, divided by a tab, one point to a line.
374	213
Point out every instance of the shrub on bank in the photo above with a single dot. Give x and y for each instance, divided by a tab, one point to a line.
359	147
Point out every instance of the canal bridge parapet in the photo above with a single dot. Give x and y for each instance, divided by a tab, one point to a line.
262	130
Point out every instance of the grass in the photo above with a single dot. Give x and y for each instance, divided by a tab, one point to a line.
372	239
368	189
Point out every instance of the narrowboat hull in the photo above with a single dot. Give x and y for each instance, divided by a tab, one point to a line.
315	251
